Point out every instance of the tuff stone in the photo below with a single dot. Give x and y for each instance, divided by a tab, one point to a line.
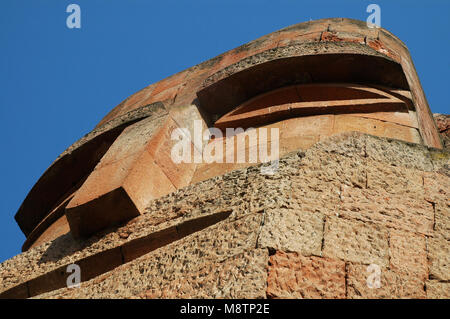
392	284
356	241
141	226
408	254
439	258
438	290
292	230
292	275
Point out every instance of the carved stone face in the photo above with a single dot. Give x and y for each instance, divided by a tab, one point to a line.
308	81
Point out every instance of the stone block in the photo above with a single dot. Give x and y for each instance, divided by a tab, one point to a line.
439	258
240	276
356	242
395	179
408	254
349	123
352	26
342	37
134	139
127	179
293	38
392	285
400	211
226	249
442	219
292	275
437	290
398	153
292	230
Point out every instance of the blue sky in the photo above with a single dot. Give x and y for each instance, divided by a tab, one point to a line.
57	83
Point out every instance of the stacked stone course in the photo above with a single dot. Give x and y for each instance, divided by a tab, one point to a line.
363	180
303	233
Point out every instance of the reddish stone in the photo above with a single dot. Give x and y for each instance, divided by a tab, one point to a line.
380	47
292	38
340	37
126	179
294	276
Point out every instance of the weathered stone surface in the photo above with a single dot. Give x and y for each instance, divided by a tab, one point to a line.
240	276
408	254
403	118
307	183
292	275
345	25
394	210
342	36
123	182
436	187
160	149
133	139
437	290
219	194
427	126
398	153
394	179
348	123
441	160
392	285
439	258
195	254
317	183
292	230
293	38
442	219
90	267
443	125
356	242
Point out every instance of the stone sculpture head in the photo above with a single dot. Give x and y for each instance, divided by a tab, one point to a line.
308	81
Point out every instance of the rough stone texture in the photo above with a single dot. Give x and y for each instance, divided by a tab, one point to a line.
442	219
438	290
392	285
176	270
307	185
408	254
241	276
398	210
394	153
292	230
436	187
294	276
439	258
443	124
356	241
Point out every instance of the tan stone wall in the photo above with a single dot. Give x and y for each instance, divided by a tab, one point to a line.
309	231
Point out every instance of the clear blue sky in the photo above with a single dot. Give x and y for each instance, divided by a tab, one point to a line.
57	83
